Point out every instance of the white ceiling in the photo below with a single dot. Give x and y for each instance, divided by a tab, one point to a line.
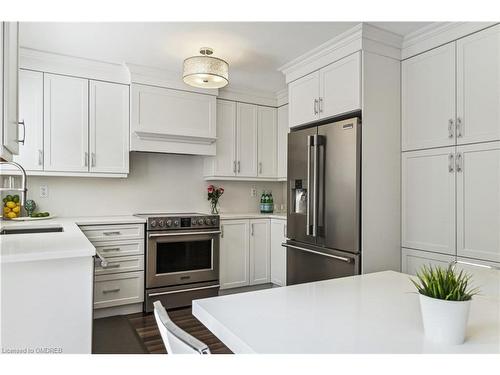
254	50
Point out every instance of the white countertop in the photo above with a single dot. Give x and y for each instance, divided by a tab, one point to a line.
373	313
69	243
252	215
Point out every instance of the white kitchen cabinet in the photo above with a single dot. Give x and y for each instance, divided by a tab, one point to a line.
267	144
234	254
109	127
478	201
478	87
65	124
340	86
282	152
9	64
260	251
246	133
278	252
413	260
224	163
428	99
31	112
428	200
172	121
303	96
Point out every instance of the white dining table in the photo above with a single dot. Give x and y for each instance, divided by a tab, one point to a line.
372	313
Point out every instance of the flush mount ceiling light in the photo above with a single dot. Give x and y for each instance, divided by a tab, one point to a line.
206	71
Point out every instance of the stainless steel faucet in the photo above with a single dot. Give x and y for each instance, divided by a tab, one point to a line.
23	188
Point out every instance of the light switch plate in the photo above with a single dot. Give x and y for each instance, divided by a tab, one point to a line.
253	192
44	191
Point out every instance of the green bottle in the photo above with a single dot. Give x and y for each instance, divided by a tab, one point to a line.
262	202
271	203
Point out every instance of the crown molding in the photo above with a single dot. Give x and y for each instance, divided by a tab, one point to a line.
241	94
438	33
49	62
282	97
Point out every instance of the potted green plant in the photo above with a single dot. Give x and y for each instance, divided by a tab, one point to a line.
445	297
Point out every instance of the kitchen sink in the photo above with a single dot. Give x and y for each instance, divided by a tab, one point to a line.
26	230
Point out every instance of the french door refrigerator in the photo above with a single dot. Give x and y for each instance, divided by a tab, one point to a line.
323	220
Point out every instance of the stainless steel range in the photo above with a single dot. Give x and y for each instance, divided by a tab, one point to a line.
182	258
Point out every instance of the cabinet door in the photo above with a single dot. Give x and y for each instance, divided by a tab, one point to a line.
109	127
260	251
283	129
340	86
478	201
428	200
478	87
225	159
278	252
10	86
246	131
428	99
31	112
234	254
65	129
267	145
414	260
303	96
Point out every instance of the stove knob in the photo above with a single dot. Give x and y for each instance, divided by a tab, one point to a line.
214	221
161	223
169	223
207	221
200	221
176	223
153	223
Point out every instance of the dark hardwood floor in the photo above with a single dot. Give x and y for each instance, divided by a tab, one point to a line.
147	330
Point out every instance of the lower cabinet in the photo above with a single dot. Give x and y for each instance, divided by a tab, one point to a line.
413	260
245	253
278	252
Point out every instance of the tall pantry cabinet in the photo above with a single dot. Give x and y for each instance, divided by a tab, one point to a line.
451	153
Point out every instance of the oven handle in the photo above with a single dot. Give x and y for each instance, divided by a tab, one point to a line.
183	290
151	235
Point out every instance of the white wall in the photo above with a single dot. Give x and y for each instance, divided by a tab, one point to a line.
157	182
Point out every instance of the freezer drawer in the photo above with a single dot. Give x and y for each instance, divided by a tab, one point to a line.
310	263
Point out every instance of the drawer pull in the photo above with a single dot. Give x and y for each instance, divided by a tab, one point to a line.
111	290
111	249
117	265
117	233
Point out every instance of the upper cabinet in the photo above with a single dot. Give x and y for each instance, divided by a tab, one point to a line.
428	99
247	143
330	91
172	121
283	130
74	126
478	87
9	67
431	87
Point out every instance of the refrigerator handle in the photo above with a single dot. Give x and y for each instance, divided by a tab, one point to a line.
315	187
310	142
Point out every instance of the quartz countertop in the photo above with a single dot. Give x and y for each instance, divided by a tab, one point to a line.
69	243
252	215
372	313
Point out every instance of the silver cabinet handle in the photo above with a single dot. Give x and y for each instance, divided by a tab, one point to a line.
308	192
459	162
107	266
450	128
474	264
86	157
111	290
234	166
284	230
251	229
222	231
40	157
320	105
239	165
343	259
21	141
260	167
117	233
450	163
460	127
111	249
315	106
92	159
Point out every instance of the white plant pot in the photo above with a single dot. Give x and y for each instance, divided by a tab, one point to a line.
445	322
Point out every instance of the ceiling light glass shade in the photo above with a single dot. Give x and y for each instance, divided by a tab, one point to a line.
206	72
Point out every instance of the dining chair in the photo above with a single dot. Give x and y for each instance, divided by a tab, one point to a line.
176	340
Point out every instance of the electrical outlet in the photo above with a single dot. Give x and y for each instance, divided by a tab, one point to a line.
253	192
44	191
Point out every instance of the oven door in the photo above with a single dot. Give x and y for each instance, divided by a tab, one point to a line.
176	258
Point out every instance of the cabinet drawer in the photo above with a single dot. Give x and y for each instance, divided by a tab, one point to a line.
118	289
113	232
121	264
111	249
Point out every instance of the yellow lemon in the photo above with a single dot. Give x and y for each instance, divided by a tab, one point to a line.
11	215
16	209
10	204
6	210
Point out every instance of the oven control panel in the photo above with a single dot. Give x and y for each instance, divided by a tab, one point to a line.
183	222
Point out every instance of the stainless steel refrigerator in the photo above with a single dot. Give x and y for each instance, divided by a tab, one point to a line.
323	221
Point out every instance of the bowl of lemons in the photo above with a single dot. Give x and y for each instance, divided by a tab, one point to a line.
11	207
